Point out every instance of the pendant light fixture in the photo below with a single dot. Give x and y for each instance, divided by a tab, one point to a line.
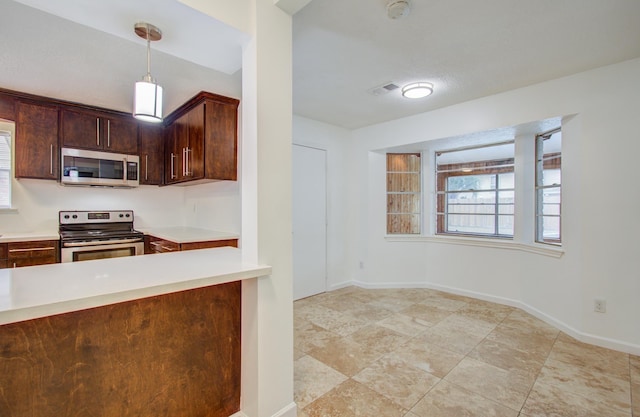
147	104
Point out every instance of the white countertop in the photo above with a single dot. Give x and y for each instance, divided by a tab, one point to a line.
28	236
40	291
188	234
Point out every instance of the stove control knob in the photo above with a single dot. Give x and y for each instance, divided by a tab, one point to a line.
121	215
66	216
127	215
75	216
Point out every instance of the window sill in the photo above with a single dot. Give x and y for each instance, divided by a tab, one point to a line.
554	252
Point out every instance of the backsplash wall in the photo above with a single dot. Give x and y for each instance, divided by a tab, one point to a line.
211	206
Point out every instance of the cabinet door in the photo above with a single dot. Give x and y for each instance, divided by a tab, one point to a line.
7	109
36	144
176	143
221	157
120	134
80	130
151	147
195	147
32	253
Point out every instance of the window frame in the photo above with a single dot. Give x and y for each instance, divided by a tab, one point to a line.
414	225
474	168
540	187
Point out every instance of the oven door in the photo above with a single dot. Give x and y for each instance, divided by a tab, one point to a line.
85	251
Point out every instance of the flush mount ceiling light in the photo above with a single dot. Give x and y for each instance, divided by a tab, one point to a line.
147	104
417	90
397	9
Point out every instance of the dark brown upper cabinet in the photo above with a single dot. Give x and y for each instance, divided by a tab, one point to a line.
201	140
36	142
98	131
151	146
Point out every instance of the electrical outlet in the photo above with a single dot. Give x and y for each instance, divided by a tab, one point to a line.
599	306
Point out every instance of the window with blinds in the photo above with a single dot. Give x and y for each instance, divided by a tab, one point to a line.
476	190
548	187
404	190
5	169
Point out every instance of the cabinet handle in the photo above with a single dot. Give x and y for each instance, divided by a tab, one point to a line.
184	163
146	167
173	157
108	133
51	159
188	162
31	249
14	264
97	131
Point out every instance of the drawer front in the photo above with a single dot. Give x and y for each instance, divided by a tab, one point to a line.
210	244
163	246
3	250
46	249
19	262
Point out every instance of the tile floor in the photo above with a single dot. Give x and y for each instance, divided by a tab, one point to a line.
424	353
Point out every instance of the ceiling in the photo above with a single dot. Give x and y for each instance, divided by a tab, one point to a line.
466	48
86	51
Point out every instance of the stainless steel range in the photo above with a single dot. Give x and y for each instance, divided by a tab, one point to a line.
86	235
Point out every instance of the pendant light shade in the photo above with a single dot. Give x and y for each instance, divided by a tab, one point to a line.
147	102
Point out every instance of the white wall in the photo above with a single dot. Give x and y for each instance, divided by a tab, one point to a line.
36	204
600	205
335	141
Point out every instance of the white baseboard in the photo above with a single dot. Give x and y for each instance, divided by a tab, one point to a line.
571	331
290	410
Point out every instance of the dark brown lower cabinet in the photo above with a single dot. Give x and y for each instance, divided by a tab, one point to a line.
17	254
154	244
172	355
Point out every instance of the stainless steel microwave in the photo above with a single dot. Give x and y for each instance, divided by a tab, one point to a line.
82	167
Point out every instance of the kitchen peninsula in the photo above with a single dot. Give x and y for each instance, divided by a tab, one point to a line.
140	335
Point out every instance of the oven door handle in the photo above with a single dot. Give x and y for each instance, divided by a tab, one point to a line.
100	242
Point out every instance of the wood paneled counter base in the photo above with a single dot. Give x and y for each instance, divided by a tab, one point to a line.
175	354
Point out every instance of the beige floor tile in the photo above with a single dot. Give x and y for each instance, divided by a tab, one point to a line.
396	380
428	314
535	341
634	362
427	357
371	313
550	401
635	398
449	400
507	357
352	399
301	413
346	356
310	336
519	318
378	338
392	303
509	388
568	350
406	325
604	388
312	379
457	333
341	323
490	313
297	354
442	303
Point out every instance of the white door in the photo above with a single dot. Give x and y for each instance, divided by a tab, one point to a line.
309	221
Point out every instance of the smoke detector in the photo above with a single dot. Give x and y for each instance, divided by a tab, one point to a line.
397	9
